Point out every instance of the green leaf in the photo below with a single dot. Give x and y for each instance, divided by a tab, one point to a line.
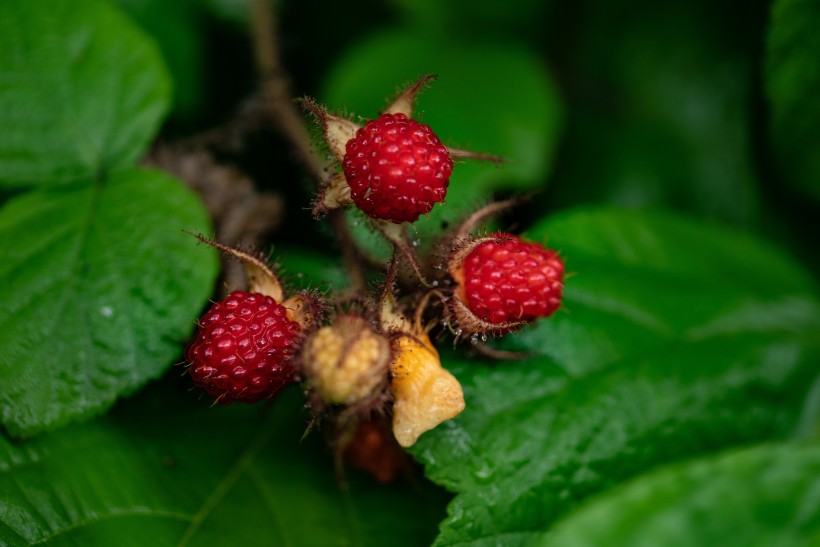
81	91
767	495
163	469
100	289
793	85
491	97
677	338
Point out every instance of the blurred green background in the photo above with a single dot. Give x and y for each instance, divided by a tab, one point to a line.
672	155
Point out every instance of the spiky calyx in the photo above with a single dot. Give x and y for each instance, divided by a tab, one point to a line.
346	362
397	168
243	349
504	282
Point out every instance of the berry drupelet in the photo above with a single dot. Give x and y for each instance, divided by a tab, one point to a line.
397	168
508	280
243	349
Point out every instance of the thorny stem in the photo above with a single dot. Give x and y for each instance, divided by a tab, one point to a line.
276	88
389	279
263	23
469	225
418	317
455	153
350	252
397	235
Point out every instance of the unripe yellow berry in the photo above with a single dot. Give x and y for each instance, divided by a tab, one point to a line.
347	361
425	393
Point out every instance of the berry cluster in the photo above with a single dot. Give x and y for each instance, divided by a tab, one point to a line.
373	359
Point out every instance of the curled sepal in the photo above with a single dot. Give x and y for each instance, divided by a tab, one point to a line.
391	320
336	129
462	249
425	394
458	154
333	195
305	308
464	231
405	101
465	323
261	278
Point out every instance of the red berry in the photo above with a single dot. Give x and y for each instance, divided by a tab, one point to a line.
243	348
512	280
396	168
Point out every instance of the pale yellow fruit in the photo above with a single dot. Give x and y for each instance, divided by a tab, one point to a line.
425	393
346	362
